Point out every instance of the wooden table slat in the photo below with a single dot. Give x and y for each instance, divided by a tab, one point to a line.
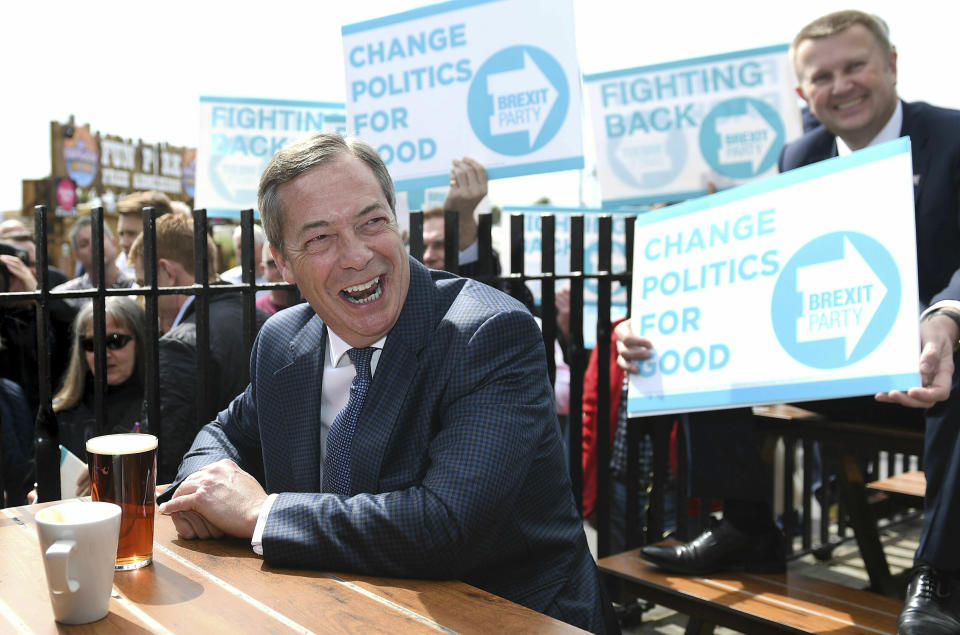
221	585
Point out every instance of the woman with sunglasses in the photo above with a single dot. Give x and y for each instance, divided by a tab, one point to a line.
124	377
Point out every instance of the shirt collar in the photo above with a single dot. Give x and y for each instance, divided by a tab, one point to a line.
889	132
183	311
338	347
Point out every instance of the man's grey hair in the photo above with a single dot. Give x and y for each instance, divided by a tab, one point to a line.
294	160
80	223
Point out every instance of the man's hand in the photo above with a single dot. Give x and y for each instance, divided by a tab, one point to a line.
21	278
937	336
630	347
218	499
468	186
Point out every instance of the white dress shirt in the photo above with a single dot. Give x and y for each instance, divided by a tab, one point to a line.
338	374
889	132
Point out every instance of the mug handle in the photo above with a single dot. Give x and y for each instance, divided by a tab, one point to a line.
58	554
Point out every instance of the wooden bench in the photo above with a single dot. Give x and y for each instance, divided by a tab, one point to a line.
909	487
837	440
754	603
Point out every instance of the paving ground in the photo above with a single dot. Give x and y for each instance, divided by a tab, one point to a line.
845	567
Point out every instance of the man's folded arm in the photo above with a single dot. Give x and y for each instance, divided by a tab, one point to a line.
232	435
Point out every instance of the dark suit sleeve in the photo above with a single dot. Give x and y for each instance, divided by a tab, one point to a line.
178	404
951	292
232	435
476	466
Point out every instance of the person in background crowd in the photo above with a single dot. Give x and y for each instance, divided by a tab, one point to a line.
16	444
19	355
130	220
123	401
275	299
617	391
178	346
24	240
234	275
81	240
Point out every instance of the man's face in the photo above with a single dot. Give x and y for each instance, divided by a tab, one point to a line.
129	226
84	251
84	247
433	249
848	83
343	249
167	305
268	266
121	360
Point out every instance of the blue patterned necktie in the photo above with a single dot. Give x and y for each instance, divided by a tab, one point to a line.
336	465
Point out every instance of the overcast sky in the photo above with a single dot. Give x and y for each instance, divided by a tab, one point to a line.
137	69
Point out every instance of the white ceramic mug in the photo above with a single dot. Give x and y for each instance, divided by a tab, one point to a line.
78	542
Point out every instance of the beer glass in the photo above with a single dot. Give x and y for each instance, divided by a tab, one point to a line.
123	470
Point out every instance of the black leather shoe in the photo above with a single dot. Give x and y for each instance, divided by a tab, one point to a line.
931	604
722	548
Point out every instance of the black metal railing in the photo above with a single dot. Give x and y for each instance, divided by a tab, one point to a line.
642	524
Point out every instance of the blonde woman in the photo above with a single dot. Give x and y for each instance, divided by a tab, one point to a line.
73	404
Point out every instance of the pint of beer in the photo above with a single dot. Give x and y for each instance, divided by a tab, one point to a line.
123	470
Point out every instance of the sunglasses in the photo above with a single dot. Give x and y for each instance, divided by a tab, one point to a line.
114	341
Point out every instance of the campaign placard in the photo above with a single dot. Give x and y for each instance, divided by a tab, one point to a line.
663	132
785	289
532	254
239	135
496	80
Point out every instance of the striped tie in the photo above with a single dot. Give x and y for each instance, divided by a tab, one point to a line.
336	465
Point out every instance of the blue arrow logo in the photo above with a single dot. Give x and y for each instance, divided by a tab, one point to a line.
741	138
518	100
836	300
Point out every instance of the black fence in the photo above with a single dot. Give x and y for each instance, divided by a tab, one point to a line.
649	489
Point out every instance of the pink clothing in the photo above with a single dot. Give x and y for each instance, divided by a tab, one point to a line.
264	302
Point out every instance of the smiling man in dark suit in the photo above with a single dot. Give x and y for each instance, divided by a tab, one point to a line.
401	423
847	74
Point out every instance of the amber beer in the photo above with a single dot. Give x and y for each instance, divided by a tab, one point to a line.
123	470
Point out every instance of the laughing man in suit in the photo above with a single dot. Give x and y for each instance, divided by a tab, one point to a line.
455	468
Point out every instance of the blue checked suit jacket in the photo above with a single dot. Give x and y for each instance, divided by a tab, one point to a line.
457	466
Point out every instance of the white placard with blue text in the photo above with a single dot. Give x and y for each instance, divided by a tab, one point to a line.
532	254
797	287
239	135
663	132
496	80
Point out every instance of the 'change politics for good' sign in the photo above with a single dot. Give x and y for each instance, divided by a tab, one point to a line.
664	131
785	289
239	135
496	80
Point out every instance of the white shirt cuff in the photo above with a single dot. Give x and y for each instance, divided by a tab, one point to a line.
257	541
952	304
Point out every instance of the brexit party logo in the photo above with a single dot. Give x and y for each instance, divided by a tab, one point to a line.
518	100
836	300
741	138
